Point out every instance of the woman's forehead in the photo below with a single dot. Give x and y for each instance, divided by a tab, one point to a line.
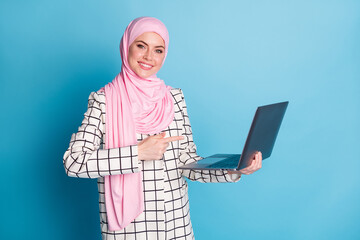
151	38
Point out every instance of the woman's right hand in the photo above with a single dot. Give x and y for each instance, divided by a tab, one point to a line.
153	147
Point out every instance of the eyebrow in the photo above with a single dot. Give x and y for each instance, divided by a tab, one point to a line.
148	45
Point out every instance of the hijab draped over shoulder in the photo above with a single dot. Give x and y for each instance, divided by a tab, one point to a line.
133	105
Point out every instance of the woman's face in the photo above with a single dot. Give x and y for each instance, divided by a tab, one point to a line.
146	54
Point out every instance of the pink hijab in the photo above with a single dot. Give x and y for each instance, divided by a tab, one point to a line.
133	105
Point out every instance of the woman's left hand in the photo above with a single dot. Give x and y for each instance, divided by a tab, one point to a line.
253	167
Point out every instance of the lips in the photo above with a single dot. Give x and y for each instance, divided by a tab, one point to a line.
145	66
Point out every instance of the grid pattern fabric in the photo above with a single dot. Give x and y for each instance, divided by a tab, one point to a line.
166	214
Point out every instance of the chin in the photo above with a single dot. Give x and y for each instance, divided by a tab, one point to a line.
144	74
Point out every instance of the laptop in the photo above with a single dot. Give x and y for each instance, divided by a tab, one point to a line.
262	135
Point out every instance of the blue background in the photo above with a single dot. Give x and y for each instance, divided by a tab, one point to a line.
228	57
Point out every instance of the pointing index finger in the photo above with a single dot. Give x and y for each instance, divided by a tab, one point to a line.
173	138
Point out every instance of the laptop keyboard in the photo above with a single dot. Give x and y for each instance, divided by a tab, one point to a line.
227	163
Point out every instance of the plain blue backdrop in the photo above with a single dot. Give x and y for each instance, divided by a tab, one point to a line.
228	57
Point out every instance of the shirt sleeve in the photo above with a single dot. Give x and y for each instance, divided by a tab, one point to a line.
85	157
188	155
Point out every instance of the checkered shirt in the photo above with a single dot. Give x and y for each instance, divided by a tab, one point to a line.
167	213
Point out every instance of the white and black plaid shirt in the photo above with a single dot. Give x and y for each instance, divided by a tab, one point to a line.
166	214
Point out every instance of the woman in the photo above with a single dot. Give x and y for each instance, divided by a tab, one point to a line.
134	136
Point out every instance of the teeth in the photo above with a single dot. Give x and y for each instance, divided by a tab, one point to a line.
145	65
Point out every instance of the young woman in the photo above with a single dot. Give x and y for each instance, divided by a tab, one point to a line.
134	136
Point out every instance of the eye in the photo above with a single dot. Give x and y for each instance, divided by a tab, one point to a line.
140	46
159	51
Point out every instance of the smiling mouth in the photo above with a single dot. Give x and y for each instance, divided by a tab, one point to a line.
145	66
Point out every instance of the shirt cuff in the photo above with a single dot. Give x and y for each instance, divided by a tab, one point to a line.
234	177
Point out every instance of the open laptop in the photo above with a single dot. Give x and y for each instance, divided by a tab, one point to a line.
262	135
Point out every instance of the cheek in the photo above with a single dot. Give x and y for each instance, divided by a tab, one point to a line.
133	55
159	60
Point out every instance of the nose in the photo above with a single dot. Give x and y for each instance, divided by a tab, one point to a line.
148	54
